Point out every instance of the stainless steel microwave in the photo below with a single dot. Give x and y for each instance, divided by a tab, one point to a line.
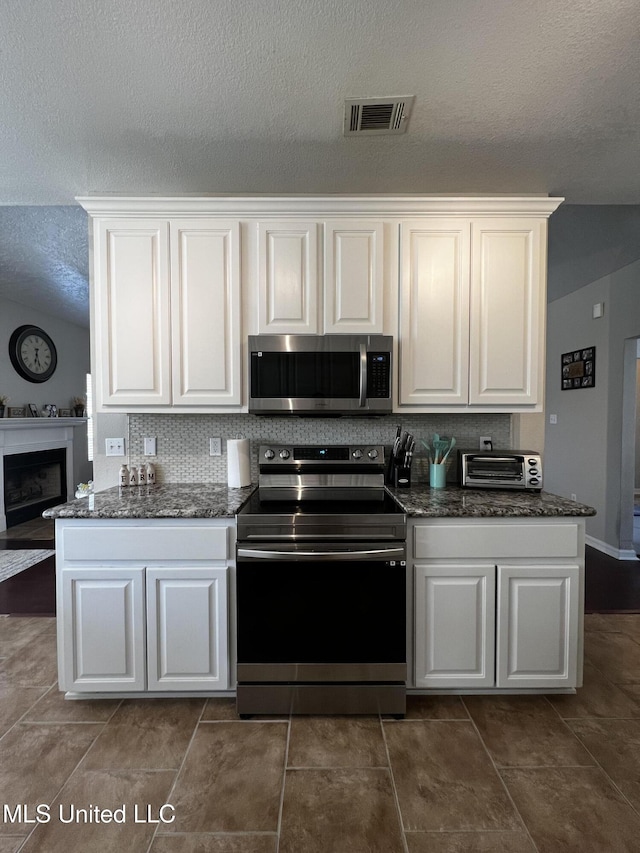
500	469
320	374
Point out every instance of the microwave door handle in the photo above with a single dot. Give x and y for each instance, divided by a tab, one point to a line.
363	375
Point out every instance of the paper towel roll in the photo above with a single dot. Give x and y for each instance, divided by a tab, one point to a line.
238	462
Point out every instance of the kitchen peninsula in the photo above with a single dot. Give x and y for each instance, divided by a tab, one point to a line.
146	591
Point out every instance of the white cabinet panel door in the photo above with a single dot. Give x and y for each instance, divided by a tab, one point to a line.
434	313
205	312
187	628
132	311
507	310
354	277
288	277
537	626
454	619
104	630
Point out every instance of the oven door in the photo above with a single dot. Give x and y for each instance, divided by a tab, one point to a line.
321	613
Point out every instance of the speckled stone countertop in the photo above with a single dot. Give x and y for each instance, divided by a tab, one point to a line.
455	502
164	500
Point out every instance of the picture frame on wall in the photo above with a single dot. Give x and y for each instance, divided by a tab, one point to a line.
33	410
578	369
17	412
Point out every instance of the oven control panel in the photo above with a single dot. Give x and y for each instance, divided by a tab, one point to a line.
317	454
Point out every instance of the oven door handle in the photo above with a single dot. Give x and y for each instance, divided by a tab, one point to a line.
374	553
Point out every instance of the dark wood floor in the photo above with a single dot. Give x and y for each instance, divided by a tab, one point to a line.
611	586
32	592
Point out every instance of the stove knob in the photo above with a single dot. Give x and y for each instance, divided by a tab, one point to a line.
373	453
284	454
357	454
269	454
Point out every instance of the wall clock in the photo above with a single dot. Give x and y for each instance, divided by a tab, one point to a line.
33	353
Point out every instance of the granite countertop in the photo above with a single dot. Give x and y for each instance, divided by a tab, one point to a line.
164	500
217	500
456	502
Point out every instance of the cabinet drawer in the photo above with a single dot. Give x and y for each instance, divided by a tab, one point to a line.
495	540
122	542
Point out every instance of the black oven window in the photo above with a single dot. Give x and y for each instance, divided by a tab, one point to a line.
305	374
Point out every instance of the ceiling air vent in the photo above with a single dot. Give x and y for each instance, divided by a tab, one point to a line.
377	115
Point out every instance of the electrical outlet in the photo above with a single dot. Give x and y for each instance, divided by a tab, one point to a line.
114	446
150	445
485	442
573	497
215	447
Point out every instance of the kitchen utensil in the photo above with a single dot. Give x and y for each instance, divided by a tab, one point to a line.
440	446
452	444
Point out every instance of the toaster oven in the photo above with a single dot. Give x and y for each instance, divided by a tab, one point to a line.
500	469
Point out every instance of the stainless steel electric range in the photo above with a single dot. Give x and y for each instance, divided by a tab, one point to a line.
321	585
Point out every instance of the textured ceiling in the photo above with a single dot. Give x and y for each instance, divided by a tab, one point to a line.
236	96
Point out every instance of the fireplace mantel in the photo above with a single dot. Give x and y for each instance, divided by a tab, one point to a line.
28	435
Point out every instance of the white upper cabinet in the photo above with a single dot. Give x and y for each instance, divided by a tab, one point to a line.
288	277
472	313
294	298
132	311
167	323
354	277
205	312
507	311
434	313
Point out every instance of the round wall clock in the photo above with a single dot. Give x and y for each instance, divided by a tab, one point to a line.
33	353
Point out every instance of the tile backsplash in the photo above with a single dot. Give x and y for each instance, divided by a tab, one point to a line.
183	440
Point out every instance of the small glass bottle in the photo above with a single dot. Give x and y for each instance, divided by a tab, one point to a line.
151	474
133	476
123	477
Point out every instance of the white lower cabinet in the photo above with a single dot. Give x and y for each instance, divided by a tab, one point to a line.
537	626
455	625
187	629
490	624
103	622
149	617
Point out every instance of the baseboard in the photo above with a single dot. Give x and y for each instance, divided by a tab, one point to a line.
616	553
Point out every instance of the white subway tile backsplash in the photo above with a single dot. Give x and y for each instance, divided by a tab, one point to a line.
183	440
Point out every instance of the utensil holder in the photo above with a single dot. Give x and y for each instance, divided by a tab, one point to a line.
437	475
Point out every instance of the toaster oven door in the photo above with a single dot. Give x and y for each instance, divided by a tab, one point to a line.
501	472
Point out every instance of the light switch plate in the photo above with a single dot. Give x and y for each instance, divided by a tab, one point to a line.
114	446
149	445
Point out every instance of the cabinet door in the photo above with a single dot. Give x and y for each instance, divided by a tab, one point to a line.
507	311
434	313
353	277
132	311
454	618
187	628
103	630
205	312
288	277
537	626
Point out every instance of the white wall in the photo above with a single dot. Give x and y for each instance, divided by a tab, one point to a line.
69	380
583	450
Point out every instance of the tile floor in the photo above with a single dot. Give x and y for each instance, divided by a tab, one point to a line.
459	775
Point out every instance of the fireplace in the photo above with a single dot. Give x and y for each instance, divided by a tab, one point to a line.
32	482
